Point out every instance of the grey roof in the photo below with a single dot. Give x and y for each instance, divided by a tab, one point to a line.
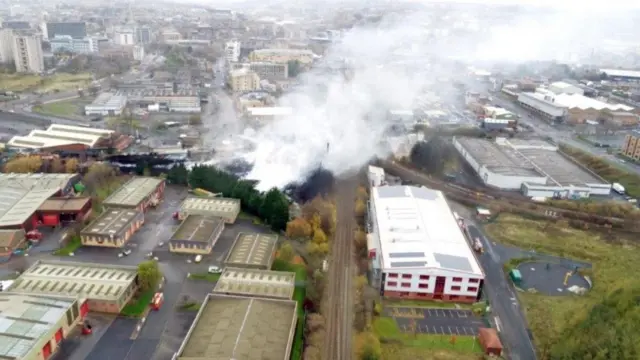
407	264
133	192
24	319
407	255
198	228
453	262
498	159
252	249
18	204
221	207
36	180
401	191
252	282
112	222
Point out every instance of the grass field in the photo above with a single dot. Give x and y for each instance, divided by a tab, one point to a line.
399	345
616	261
138	305
56	82
71	247
67	108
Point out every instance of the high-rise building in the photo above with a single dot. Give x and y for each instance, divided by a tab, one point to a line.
6	46
143	35
232	51
77	30
244	80
27	53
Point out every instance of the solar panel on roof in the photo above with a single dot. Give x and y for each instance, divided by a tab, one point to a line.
405	264
453	262
391	192
406	255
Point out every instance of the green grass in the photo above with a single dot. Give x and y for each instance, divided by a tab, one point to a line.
139	305
190	307
389	333
60	82
299	269
70	108
71	246
615	260
423	304
205	276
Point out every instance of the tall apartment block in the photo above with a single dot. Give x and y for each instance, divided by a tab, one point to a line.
631	145
27	53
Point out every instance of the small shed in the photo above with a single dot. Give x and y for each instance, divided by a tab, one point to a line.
490	341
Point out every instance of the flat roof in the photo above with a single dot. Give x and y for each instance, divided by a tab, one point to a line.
133	192
418	230
18	204
240	328
25	319
621	73
10	237
252	249
71	204
197	228
111	222
498	159
220	207
36	180
84	280
109	100
253	282
559	168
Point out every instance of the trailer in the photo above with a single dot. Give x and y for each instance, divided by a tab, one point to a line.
617	187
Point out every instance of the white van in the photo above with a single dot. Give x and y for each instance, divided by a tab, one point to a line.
198	259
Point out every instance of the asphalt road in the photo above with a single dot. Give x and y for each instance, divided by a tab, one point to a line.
512	325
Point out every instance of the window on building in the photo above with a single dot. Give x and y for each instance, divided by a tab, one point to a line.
457	279
424	277
392	275
423	286
472	289
455	288
406	285
474	281
392	283
406	276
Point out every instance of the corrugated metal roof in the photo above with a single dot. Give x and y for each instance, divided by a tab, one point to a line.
91	281
24	319
273	284
17	205
222	207
133	192
111	222
252	249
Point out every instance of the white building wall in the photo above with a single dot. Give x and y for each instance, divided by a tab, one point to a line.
558	88
544	106
423	281
6	45
27	53
508	182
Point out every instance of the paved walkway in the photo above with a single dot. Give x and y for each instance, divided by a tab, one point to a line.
548	278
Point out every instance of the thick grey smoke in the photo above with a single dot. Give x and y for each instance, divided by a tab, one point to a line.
339	122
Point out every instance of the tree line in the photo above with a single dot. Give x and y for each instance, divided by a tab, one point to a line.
272	206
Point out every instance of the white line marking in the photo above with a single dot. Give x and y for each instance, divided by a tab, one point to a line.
497	323
457	331
434	330
441	330
465	330
244	321
450	332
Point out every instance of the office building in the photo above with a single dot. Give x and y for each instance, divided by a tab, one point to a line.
417	249
16	25
27	53
631	145
76	30
243	80
268	71
143	35
6	46
282	56
232	51
62	43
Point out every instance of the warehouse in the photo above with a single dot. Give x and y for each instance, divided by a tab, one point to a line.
537	169
33	327
10	241
55	211
225	208
252	250
417	249
106	104
243	328
258	283
63	183
62	137
138	193
18	206
113	228
99	287
196	235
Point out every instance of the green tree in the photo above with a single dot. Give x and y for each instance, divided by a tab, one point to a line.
148	275
294	68
286	253
178	175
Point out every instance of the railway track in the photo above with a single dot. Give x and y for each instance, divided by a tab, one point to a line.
507	201
339	291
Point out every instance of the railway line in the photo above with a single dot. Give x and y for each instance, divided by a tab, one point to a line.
338	303
505	201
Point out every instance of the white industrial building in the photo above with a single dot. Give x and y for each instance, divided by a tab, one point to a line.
376	176
106	104
417	249
60	135
561	87
543	104
535	168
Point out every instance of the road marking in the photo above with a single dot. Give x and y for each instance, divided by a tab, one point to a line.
441	330
465	330
450	332
457	331
497	323
434	330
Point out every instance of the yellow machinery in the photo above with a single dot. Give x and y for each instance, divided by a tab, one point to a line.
566	277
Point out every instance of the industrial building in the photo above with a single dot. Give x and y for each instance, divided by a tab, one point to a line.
561	87
631	145
63	137
11	240
138	193
417	249
180	101
197	234
56	211
33	327
535	168
619	74
258	283
113	228
226	208
243	328
106	104
282	56
252	250
98	287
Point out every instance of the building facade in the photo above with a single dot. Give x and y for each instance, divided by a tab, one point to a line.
143	35
243	80
85	45
269	71
6	46
631	145
282	56
113	228
232	51
27	53
76	30
124	37
106	104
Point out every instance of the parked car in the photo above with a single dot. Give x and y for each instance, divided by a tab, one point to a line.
197	259
214	270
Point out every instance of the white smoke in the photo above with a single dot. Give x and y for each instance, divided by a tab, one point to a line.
339	122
